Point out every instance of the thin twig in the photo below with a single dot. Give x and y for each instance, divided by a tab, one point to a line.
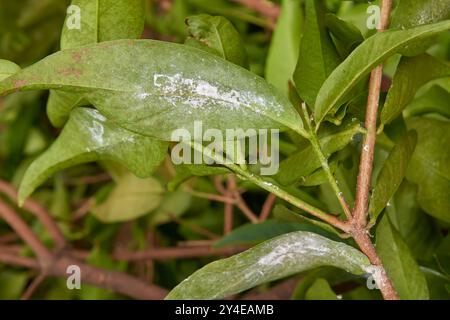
42	214
210	196
200	230
33	287
267	207
56	265
263	7
240	203
177	253
228	212
22	229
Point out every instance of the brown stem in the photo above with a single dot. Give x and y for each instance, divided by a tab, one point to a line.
263	7
240	203
116	281
200	230
228	211
180	252
22	229
267	207
385	285
56	264
33	287
360	210
36	209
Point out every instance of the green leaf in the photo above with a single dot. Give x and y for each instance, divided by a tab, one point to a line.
302	163
320	290
435	100
418	12
131	198
87	137
12	284
363	59
271	260
153	88
411	74
186	171
216	35
285	44
100	20
417	228
391	174
429	167
399	263
282	213
346	35
318	57
251	233
7	68
59	105
174	203
104	20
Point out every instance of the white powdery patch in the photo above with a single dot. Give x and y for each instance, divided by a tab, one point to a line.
198	93
287	252
97	133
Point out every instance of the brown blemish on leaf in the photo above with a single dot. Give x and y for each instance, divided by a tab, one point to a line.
76	56
19	83
70	71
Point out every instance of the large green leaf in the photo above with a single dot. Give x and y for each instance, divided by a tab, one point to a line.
302	163
429	167
411	74
130	198
413	13
417	229
434	100
253	233
88	136
399	263
7	68
317	57
100	20
320	290
285	44
410	14
391	174
153	88
271	260
104	20
216	35
363	59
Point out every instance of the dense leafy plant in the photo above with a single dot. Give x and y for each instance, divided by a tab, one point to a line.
348	173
